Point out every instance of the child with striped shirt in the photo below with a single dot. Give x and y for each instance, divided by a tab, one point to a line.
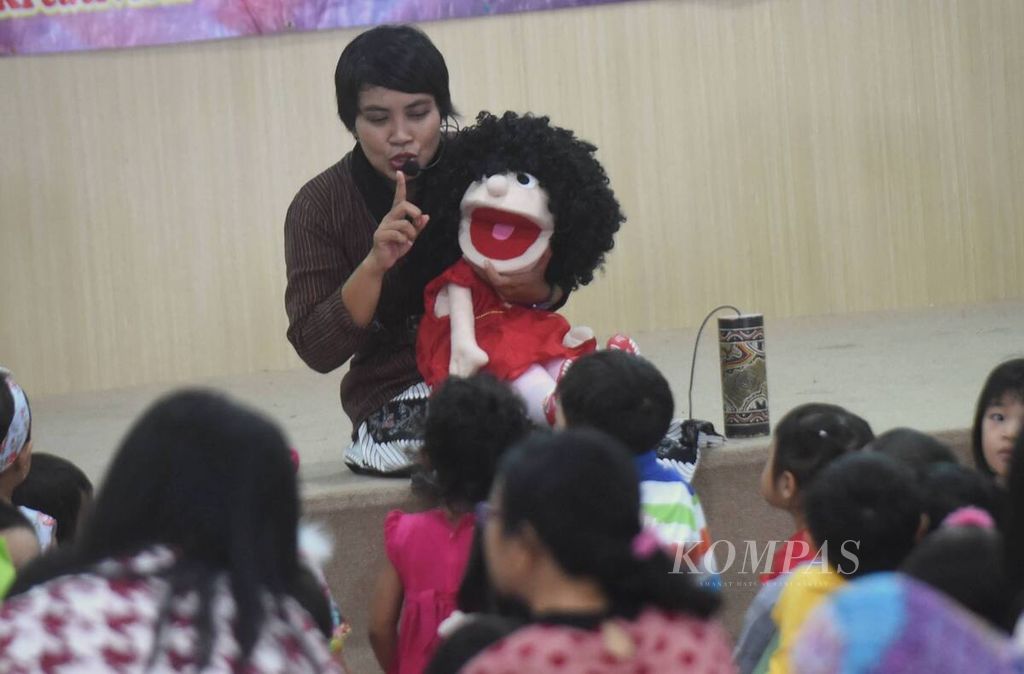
625	396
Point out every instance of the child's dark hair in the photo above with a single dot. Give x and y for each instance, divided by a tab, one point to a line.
401	58
477	593
468	641
919	451
866	507
811	436
1013	529
310	595
12	518
579	491
56	487
965	563
947	487
470	423
6	405
621	394
214	481
1006	379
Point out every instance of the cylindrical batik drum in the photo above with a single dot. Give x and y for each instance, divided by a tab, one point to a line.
744	376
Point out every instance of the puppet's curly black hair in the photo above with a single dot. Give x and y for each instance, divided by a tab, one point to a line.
585	209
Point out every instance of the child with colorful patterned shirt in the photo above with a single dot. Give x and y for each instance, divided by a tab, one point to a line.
625	396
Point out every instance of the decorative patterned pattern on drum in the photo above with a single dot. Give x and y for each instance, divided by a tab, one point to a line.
744	376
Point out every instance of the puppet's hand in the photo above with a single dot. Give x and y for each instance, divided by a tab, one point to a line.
467	359
522	287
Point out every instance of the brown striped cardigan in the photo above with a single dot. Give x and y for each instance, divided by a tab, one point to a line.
327	233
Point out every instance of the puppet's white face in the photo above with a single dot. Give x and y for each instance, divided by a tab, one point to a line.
505	221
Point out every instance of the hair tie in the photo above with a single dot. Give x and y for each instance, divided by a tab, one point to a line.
644	544
969	516
17	433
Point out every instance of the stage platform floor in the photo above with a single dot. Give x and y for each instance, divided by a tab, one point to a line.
920	368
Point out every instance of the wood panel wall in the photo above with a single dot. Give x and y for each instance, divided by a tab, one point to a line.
788	156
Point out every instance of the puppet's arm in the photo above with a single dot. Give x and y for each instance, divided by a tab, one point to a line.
467	356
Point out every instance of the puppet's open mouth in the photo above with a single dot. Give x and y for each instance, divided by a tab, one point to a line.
501	235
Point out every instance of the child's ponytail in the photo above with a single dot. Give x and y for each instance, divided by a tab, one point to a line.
642	574
580	493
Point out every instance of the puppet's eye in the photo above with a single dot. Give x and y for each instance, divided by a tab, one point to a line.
526	180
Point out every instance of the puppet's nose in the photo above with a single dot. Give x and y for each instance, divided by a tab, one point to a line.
497	185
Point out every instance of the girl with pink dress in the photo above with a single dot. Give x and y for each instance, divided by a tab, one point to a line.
470	423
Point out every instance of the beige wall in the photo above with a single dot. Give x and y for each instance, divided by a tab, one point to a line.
791	157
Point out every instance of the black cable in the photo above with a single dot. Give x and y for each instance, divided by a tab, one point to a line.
696	343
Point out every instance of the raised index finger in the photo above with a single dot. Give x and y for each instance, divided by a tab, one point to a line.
399	188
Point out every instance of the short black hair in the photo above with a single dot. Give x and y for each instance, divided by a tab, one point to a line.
811	436
401	58
470	423
918	450
947	487
966	564
55	486
1006	379
866	508
619	393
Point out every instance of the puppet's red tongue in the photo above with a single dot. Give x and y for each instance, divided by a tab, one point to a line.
501	235
502	232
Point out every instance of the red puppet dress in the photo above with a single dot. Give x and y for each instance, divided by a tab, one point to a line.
514	337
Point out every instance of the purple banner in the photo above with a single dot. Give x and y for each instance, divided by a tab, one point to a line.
40	26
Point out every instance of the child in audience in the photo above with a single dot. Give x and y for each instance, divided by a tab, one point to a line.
59	488
16	452
890	623
963	559
807	439
562	534
625	396
1013	540
189	563
470	422
918	450
945	484
18	544
948	487
999	419
864	515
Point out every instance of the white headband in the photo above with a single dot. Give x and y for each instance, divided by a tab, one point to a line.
17	433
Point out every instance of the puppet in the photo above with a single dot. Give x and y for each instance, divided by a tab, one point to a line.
520	189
